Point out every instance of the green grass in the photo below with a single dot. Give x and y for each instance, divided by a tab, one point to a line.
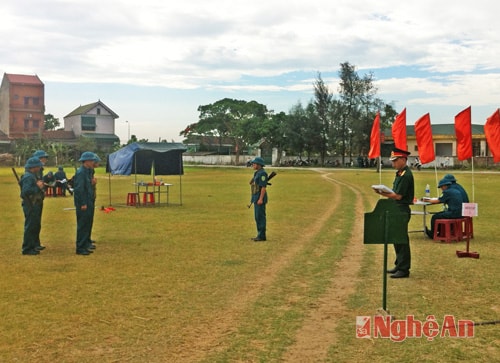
184	283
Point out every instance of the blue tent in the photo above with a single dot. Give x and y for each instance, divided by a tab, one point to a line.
156	158
162	158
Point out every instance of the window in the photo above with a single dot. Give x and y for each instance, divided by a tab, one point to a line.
88	123
36	101
26	101
98	111
36	124
26	124
444	149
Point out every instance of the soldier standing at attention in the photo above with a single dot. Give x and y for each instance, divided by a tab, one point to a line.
42	156
32	196
84	203
93	182
259	197
403	193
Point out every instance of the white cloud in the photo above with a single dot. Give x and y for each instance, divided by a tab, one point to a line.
229	45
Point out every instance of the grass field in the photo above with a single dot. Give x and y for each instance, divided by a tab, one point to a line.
186	284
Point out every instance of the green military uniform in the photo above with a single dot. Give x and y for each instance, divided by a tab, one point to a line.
83	196
32	196
39	154
404	186
259	181
94	191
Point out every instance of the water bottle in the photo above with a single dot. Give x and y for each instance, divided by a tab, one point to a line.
427	191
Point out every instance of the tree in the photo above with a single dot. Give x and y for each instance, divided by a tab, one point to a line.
274	131
322	104
357	109
236	119
51	123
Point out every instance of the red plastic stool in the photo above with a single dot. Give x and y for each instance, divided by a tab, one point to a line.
151	196
59	191
48	192
133	199
447	230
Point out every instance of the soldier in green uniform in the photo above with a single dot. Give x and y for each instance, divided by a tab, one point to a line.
42	156
32	196
259	197
93	182
84	203
403	193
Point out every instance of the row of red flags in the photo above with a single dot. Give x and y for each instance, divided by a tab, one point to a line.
425	143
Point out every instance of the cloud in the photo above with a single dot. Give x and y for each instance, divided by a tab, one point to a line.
423	52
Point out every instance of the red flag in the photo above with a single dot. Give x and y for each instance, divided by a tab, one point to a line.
399	130
425	144
492	132
463	131
375	138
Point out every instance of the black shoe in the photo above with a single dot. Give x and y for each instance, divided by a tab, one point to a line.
392	271
91	247
39	248
400	274
84	253
31	252
257	239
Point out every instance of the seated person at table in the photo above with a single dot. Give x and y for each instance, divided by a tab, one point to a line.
457	186
49	181
452	199
62	181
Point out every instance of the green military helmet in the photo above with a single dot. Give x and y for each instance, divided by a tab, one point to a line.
444	182
258	160
97	159
87	155
450	177
33	162
40	154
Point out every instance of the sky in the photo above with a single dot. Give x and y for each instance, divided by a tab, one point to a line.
154	62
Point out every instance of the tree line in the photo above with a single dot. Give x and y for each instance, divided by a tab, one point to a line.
326	126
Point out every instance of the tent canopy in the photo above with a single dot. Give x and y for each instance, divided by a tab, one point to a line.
139	158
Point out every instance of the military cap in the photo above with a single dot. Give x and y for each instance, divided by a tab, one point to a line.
33	162
258	160
40	154
87	155
398	153
443	182
450	177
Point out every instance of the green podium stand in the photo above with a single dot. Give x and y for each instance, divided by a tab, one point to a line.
386	225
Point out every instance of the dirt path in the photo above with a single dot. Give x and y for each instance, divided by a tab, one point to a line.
318	331
209	336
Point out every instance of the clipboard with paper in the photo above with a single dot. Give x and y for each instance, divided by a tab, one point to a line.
381	188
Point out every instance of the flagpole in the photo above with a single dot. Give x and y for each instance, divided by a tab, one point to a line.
473	191
436	175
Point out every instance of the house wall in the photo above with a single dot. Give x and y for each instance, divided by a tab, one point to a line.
74	124
442	146
4	108
212	159
105	123
21	115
